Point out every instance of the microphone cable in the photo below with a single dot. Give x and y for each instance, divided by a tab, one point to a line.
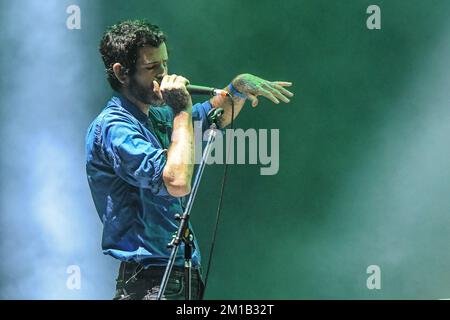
219	207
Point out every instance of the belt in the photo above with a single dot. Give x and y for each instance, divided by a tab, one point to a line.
131	268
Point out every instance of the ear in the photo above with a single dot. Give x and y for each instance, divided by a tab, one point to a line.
121	73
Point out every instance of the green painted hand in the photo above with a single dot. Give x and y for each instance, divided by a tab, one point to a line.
253	86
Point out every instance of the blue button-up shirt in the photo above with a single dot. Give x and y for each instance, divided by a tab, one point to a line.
126	153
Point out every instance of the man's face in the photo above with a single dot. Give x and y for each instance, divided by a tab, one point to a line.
151	65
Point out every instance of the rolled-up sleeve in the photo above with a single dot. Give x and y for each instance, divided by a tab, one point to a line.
200	113
133	157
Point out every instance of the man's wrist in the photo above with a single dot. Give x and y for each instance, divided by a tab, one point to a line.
187	110
235	92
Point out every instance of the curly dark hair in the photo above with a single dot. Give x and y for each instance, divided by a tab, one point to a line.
121	42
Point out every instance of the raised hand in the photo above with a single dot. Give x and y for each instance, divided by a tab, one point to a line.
253	87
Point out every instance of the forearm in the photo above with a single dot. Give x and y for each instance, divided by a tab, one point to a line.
179	167
225	104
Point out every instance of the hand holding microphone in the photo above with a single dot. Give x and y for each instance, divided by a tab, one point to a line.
172	91
176	90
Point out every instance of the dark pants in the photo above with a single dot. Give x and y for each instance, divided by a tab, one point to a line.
136	283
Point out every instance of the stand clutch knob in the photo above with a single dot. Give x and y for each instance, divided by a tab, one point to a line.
214	114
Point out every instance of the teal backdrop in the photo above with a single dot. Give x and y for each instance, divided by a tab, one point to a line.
364	171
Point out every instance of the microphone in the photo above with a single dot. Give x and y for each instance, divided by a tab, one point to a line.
192	89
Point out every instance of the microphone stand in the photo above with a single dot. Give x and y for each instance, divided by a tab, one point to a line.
184	234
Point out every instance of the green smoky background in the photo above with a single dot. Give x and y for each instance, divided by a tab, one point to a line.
364	170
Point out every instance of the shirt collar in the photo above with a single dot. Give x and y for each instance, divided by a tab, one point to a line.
132	108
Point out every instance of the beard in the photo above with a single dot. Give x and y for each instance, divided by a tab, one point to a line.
144	94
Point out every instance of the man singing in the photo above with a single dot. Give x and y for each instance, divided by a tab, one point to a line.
140	156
